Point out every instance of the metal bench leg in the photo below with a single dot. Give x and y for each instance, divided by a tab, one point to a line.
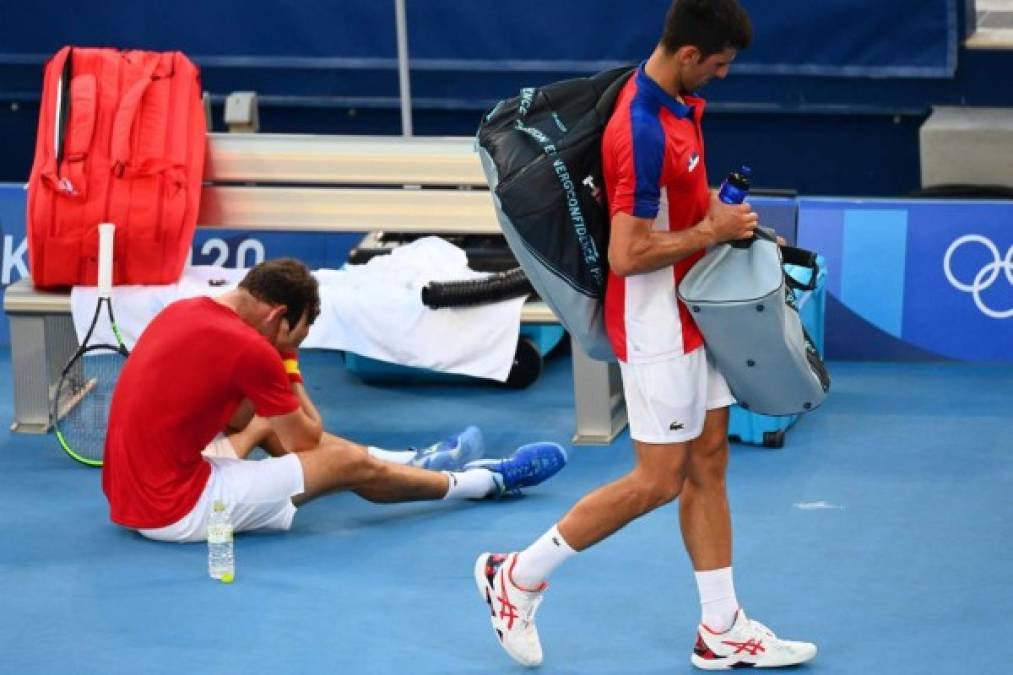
40	346
598	399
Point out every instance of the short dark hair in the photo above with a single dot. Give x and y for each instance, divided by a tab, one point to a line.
709	25
288	282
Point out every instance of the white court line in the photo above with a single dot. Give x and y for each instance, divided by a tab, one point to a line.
816	506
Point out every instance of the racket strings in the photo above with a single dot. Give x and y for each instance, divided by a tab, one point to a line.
85	398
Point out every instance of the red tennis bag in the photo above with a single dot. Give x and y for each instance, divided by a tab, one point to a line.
121	139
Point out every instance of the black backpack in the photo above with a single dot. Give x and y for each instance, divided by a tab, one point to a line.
541	152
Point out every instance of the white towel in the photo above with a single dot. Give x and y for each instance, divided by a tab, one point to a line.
374	310
135	306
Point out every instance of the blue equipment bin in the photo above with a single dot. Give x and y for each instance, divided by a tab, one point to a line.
536	340
750	427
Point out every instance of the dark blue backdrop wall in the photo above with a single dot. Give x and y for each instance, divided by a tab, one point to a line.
827	101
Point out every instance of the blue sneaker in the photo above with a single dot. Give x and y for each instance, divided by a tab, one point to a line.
530	465
453	453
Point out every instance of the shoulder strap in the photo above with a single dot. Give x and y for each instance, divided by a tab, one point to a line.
801	257
60	100
123	121
616	79
790	255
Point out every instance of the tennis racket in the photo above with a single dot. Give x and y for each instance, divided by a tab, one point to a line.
80	412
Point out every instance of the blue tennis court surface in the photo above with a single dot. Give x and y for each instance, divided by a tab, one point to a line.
881	531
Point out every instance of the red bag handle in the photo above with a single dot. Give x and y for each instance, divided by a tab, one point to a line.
123	121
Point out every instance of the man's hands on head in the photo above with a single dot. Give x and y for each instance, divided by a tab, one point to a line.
289	337
725	222
301	429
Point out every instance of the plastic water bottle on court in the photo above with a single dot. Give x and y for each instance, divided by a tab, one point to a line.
221	558
736	186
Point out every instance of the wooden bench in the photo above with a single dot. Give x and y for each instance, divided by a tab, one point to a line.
280	182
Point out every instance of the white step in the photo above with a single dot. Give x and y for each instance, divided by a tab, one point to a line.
968	146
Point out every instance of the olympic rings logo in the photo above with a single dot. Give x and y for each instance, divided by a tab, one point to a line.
986	276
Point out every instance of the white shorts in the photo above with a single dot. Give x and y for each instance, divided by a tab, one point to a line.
668	400
258	494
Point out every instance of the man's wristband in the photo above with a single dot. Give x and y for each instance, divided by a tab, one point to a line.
290	360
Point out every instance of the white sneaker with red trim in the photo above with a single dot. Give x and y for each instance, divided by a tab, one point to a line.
513	609
747	644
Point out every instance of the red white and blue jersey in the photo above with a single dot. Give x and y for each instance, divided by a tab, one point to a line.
652	160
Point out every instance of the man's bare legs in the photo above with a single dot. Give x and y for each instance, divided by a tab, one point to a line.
339	464
657	479
247	431
692	471
703	507
706	522
256	434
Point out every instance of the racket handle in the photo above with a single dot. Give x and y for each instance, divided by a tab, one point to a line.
105	259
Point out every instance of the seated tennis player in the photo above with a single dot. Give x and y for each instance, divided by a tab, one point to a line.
211	378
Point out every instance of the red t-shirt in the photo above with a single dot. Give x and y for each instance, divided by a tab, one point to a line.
653	166
192	367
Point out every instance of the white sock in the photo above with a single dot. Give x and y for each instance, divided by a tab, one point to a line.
717	599
537	562
473	484
392	456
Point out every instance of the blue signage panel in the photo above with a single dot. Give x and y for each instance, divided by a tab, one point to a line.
13	246
779	214
240	250
915	278
908	279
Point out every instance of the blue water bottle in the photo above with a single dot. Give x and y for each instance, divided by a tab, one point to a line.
734	191
736	186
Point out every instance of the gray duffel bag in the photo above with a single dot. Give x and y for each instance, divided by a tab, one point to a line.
744	304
